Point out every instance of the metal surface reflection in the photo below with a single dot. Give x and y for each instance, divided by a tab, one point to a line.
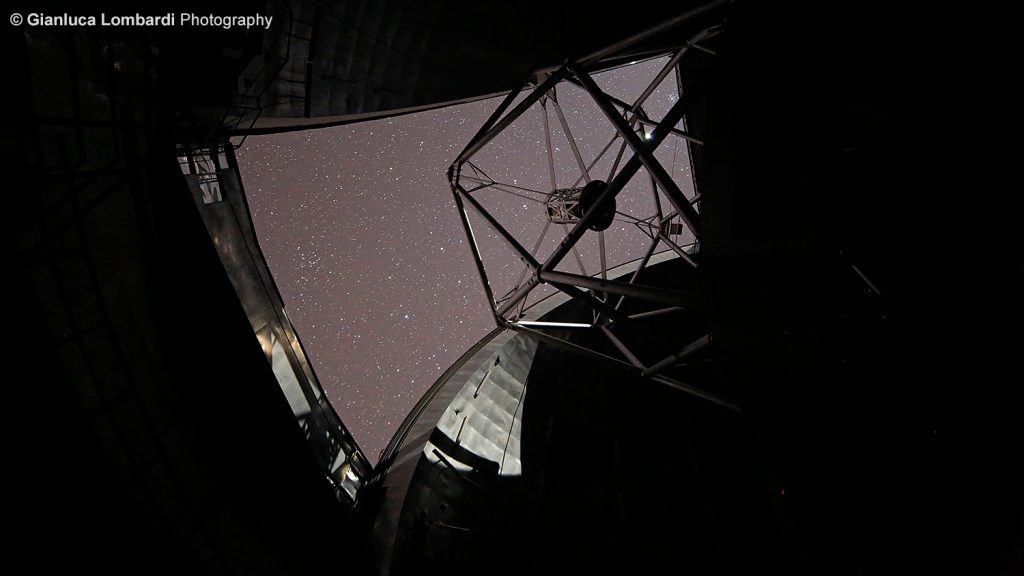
213	178
483	419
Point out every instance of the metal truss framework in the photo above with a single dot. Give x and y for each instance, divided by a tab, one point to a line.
642	135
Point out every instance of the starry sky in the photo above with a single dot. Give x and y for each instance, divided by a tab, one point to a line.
360	230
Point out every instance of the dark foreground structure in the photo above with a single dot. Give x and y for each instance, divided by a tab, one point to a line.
844	392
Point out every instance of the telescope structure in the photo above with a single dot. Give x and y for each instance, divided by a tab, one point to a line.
771	328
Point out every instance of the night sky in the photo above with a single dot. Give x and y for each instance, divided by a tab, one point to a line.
362	236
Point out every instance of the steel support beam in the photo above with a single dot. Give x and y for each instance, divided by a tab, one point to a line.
677	249
671	359
699	393
496	115
542	324
622	348
665	26
516	297
658	312
590	299
629	169
613	287
505	235
671	382
671	64
640	268
571	139
477	259
531	99
645	154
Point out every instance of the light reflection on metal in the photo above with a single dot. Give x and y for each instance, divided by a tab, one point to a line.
287	379
432	454
204	166
553	324
699	393
483	422
223	209
349	480
451	466
689	349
